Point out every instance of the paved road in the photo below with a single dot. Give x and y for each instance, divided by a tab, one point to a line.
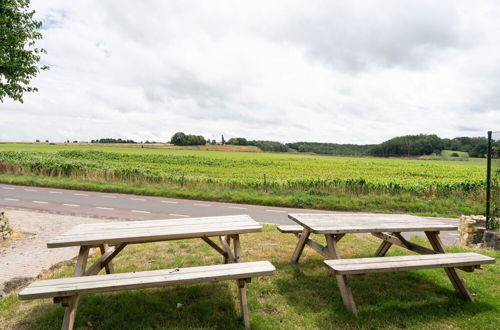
134	207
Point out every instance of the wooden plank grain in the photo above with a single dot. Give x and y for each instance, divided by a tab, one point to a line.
135	236
162	222
400	263
126	281
336	223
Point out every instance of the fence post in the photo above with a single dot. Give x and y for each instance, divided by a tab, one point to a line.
488	184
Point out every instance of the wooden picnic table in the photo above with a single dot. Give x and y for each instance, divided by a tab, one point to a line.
388	228
113	237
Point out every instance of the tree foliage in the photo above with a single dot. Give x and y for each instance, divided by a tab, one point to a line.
19	55
330	148
111	140
409	145
262	144
238	141
181	139
475	146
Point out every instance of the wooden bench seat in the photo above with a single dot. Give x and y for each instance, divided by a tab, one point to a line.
412	262
343	267
290	229
65	289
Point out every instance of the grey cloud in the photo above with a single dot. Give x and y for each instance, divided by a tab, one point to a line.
337	71
388	33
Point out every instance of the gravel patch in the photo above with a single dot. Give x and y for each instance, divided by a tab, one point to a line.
25	258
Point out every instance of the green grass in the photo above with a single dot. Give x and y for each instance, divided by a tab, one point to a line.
303	296
337	183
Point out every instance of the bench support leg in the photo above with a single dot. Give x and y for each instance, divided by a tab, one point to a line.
452	273
104	260
300	245
215	247
342	282
71	303
243	302
383	248
109	266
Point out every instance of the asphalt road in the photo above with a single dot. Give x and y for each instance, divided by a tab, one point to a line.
131	207
134	207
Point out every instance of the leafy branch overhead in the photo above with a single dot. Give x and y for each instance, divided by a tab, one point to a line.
19	55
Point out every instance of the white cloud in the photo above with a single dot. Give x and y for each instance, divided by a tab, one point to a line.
333	71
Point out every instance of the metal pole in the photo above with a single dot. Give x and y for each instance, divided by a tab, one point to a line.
488	184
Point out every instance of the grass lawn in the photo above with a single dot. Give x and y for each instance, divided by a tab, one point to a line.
303	296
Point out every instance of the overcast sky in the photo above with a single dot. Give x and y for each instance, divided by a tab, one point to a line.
329	71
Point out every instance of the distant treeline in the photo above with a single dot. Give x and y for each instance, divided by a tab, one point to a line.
409	145
331	148
111	140
418	145
262	144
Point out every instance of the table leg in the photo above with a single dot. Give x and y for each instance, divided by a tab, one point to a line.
237	248
109	266
71	303
229	257
452	273
342	282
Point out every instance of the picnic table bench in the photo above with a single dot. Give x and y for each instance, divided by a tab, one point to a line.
388	228
112	238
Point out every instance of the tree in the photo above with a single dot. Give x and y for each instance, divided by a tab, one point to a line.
19	55
178	139
181	139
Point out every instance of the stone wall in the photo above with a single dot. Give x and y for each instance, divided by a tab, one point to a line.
471	229
472	232
5	230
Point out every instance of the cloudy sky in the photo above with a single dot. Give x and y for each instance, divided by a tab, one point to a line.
330	71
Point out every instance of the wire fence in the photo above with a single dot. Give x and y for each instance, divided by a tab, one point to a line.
493	181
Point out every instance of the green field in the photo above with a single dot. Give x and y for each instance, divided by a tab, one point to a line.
299	180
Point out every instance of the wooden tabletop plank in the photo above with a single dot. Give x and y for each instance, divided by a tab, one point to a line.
155	230
338	223
197	232
196	227
92	227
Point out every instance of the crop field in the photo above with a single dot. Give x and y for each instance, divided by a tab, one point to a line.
342	183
